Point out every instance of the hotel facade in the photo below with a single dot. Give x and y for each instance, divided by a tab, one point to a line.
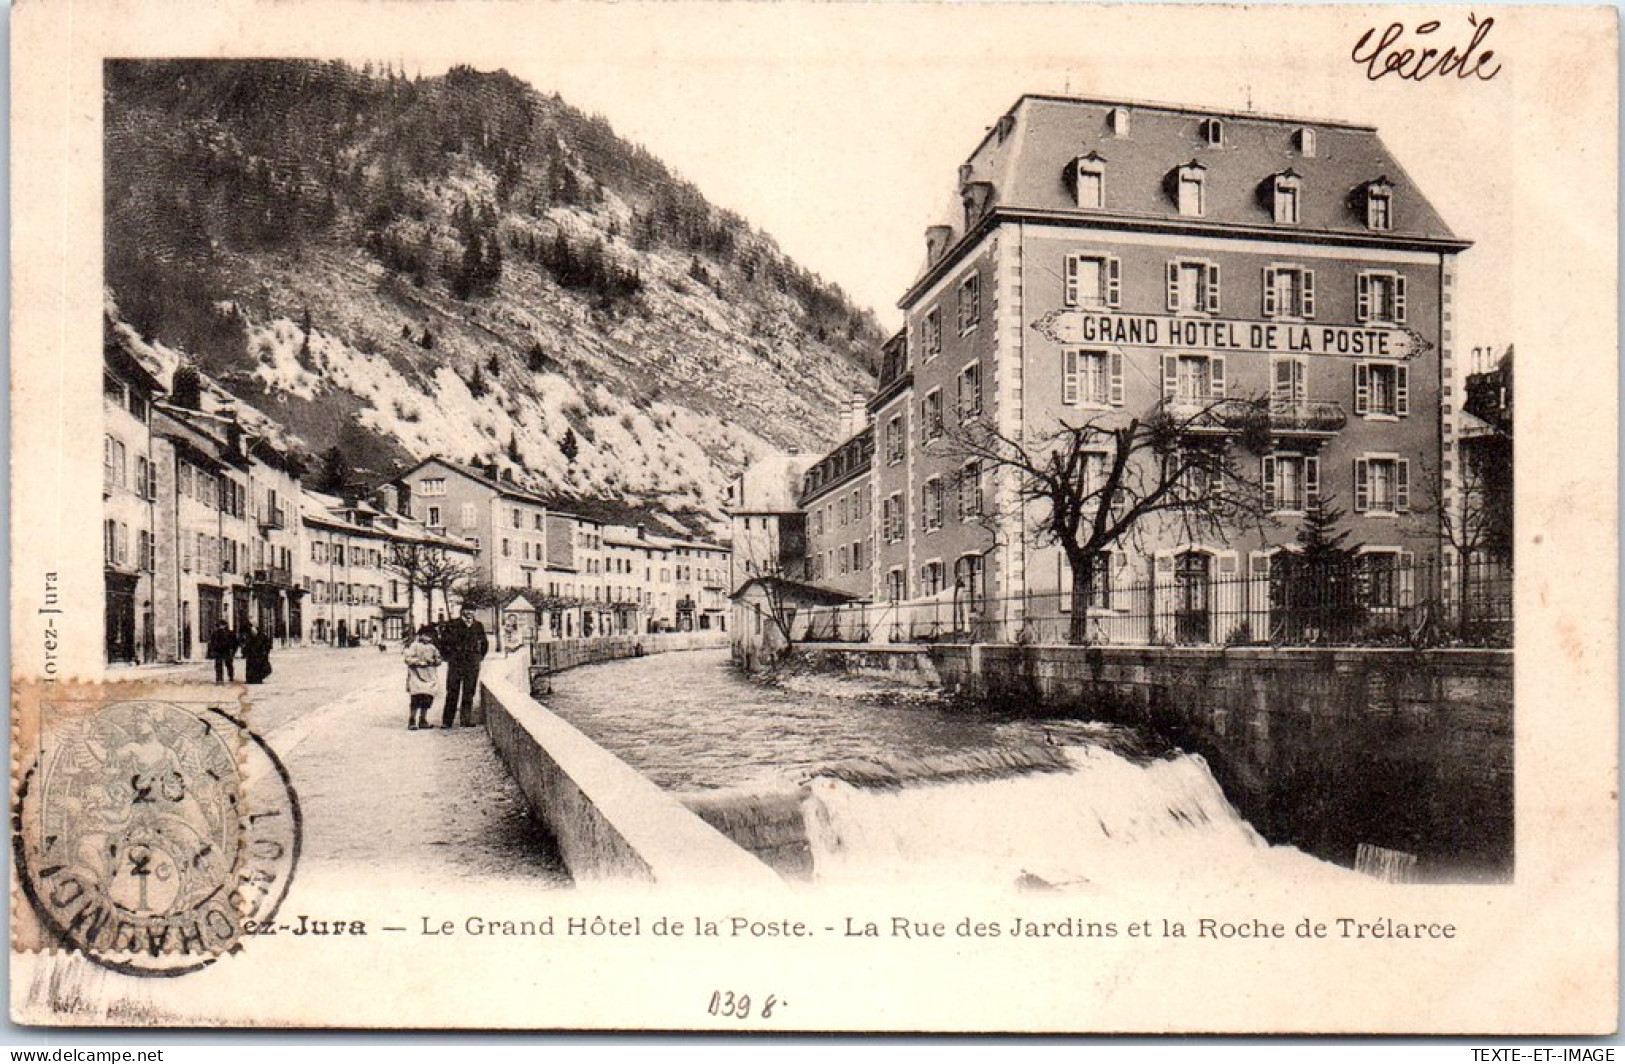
1109	259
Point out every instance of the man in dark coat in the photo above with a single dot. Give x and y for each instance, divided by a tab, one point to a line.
463	646
222	649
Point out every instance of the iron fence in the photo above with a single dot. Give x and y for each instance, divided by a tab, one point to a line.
1377	601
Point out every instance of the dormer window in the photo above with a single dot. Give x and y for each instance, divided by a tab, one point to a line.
1213	132
977	198
1117	121
1090	175
1379	204
1190	189
1305	138
1285	194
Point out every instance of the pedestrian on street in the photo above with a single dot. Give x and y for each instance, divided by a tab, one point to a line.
464	645
222	651
256	655
422	665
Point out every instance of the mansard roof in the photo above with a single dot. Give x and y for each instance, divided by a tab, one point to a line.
1029	154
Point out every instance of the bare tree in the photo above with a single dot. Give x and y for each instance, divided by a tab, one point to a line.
407	559
444	573
1102	482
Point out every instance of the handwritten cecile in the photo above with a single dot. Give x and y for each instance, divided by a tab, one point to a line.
1382	57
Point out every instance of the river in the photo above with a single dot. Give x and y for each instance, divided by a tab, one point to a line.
894	783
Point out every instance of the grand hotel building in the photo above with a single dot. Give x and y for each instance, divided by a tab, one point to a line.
1107	256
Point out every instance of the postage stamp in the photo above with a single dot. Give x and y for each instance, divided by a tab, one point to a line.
151	832
631	515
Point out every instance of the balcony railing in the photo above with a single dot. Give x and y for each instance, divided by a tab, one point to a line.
273	517
274	575
1227	416
1306	417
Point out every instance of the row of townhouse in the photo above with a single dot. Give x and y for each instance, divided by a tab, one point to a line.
205	522
1110	258
566	573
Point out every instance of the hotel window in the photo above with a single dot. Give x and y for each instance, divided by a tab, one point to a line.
1382	485
536	520
1193	378
892	518
970	490
1092	378
931	504
845	560
1289	384
1192	193
1090	175
970	391
1289	292
518	518
1100	582
931	334
1193	286
1285	198
1379	205
858	563
931	574
857	506
1380	297
894	440
931	414
1118	120
842	512
1291	481
896	585
1386	578
1213	132
468	515
970	303
146	550
1305	138
507	549
434	517
432	486
1093	281
1381	389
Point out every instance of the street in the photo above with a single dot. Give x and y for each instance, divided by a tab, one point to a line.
424	807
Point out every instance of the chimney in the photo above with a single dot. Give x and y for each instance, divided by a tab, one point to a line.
844	433
937	238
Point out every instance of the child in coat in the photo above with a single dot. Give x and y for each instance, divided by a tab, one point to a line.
422	663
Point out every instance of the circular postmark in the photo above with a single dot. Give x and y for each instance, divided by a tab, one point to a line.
149	833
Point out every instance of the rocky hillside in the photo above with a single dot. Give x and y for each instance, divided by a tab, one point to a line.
395	267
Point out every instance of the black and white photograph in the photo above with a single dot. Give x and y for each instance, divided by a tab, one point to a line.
636	514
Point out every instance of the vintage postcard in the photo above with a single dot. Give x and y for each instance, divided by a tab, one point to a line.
814	517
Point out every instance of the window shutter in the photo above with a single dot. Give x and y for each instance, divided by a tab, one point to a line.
1072	281
1399	298
1117	378
1311	481
1170	376
1269	292
1114	281
1216	367
1362	298
1300	380
1402	485
1173	286
1402	390
1307	298
1213	288
1283	391
1269	483
1362	486
1069	377
1362	388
